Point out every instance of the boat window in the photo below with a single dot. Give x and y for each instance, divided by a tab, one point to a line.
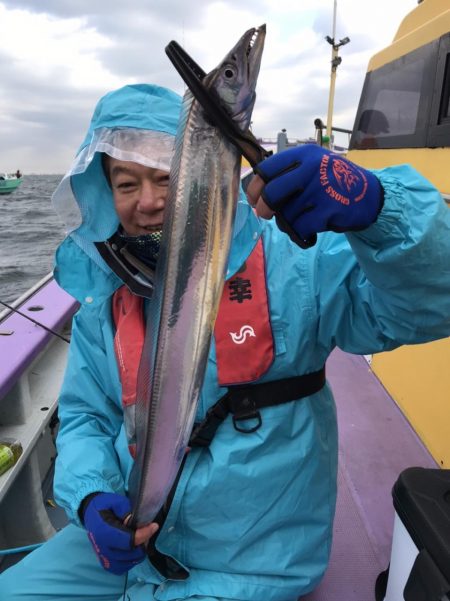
445	112
439	132
395	102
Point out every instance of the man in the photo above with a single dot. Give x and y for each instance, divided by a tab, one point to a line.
251	516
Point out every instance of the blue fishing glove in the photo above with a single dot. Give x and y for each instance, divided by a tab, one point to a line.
113	542
313	190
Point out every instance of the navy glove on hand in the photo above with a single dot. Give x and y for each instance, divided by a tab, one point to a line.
311	190
113	542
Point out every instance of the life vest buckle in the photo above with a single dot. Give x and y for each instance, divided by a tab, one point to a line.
248	411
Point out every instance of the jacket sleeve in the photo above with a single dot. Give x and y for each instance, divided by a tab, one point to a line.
394	288
90	420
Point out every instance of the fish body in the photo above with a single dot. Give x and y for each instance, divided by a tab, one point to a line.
190	274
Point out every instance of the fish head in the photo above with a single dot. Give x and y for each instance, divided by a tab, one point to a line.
234	80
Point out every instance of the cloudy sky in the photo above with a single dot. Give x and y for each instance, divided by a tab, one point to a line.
57	57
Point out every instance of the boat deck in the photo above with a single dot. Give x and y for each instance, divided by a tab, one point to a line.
376	443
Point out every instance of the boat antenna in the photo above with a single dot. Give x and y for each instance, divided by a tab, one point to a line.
34	321
336	60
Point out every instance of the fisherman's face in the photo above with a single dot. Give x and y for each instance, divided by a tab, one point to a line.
139	194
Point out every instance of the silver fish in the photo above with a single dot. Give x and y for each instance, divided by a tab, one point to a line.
197	230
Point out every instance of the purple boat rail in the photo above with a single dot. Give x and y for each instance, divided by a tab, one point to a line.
31	370
21	340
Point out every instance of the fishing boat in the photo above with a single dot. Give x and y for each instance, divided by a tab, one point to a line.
393	409
9	183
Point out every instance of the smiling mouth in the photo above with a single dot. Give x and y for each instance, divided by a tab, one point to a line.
151	228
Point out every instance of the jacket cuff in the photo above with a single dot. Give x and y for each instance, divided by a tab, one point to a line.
83	505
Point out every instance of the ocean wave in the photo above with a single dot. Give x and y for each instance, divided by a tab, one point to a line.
31	232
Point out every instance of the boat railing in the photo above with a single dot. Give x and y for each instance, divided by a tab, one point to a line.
21	299
30	380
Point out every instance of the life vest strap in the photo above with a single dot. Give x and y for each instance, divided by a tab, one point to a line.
244	403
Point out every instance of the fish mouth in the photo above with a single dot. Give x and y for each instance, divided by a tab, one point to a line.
247	53
255	46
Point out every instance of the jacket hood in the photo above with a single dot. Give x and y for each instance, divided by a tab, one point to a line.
136	123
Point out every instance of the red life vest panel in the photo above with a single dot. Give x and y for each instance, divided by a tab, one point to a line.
127	310
243	334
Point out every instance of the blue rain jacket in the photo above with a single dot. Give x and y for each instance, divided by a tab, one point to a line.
252	514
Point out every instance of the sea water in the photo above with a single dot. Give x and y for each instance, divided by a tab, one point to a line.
30	232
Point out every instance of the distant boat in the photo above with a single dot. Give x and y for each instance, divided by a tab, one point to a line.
9	182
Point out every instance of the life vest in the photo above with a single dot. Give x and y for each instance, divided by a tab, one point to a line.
244	353
243	333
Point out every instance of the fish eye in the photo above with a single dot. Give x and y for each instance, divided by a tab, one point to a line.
229	72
